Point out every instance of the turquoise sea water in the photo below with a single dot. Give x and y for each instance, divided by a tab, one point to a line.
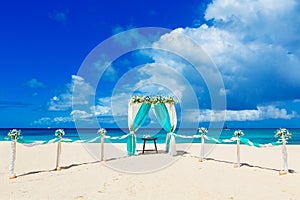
261	136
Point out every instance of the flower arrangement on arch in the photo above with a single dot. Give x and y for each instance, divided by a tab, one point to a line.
102	131
59	133
149	99
136	99
202	130
14	134
238	133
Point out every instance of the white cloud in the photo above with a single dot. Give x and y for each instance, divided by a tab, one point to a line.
59	16
261	20
59	120
80	114
45	121
100	110
255	45
116	105
161	77
261	113
109	73
132	37
63	101
34	83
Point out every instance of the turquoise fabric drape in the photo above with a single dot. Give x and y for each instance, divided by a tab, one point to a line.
131	144
163	117
139	119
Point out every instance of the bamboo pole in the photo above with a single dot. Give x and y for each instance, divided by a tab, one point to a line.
102	147
58	155
12	174
284	156
202	149
238	153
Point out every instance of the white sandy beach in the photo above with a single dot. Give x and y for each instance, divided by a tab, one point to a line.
83	177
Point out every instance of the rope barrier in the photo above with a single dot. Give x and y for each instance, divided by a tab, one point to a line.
31	143
231	140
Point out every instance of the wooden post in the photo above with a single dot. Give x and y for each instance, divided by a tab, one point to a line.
58	155
202	149
238	153
284	156
12	174
102	147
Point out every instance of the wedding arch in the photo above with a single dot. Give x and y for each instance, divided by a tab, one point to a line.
164	109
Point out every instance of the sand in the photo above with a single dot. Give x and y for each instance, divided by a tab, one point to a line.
179	177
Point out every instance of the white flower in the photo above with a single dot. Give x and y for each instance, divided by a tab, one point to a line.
202	130
283	132
153	100
238	133
59	133
14	134
102	131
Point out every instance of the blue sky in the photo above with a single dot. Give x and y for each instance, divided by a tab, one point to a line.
254	44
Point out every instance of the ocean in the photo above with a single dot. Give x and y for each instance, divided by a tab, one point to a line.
261	136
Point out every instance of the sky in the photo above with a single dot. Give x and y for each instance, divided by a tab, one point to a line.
232	55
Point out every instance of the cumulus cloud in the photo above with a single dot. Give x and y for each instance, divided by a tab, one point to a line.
43	121
63	101
133	36
53	120
255	45
261	113
34	83
80	114
60	105
100	110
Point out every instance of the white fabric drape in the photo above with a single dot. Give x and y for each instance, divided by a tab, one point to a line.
172	114
173	119
133	109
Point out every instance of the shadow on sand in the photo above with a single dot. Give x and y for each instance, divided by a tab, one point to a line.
249	165
160	152
62	167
